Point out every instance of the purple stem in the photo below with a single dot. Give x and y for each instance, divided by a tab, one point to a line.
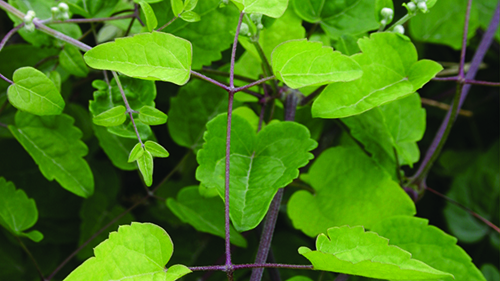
208	79
6	79
208	268
254	83
452	78
464	40
440	138
313	95
484	83
9	34
272	265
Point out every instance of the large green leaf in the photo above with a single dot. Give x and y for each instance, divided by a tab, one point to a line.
390	72
204	214
430	245
349	189
17	211
72	61
207	100
92	8
271	8
54	143
339	18
478	188
33	92
351	250
209	36
156	56
260	164
303	63
396	125
136	252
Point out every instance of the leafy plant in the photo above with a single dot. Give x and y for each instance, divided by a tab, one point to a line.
308	109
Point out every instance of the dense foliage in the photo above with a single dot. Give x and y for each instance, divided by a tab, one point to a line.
315	139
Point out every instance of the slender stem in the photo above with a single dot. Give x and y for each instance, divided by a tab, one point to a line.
127	105
82	46
487	222
167	24
91	19
313	95
452	78
255	83
226	74
464	40
8	8
401	21
483	83
272	265
233	52
129	28
31	258
208	79
311	31
6	79
442	105
9	34
208	268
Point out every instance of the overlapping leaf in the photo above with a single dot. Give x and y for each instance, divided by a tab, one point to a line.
260	164
271	8
116	148
303	63
351	250
390	72
54	143
349	189
17	212
72	61
151	21
156	56
431	245
111	117
138	251
93	8
192	208
152	116
33	92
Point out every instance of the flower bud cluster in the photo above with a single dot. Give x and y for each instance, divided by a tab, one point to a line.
60	12
28	21
387	15
416	5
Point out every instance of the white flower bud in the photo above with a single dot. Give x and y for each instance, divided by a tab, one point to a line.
30	27
383	22
55	12
399	29
260	26
63	7
28	18
411	7
244	29
256	18
422	7
387	13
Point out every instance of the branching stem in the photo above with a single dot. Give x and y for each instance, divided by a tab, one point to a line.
31	258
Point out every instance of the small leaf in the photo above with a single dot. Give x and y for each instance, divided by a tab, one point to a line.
189	5
33	92
111	117
271	8
149	115
124	255
156	55
116	148
55	145
177	7
192	208
145	163
17	211
156	149
151	21
351	250
303	63
72	61
190	16
136	153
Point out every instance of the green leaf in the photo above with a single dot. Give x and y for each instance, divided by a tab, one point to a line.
111	117
431	245
145	163
364	194
92	8
54	143
490	272
152	116
347	45
124	256
299	278
156	149
17	211
189	5
136	153
477	187
116	148
55	77
303	63
33	92
151	21
156	56
260	164
271	8
390	72
339	18
191	208
190	16
207	100
351	250
177	7
71	60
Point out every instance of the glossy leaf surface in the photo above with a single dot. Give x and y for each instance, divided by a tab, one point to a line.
348	190
111	117
134	252
271	8
351	250
430	245
152	116
145	163
204	214
33	92
390	72
156	149
54	143
155	56
260	164
17	212
304	63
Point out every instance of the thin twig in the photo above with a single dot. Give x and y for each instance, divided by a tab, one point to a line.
9	34
255	83
208	79
167	24
31	258
6	79
272	265
445	106
312	95
226	74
